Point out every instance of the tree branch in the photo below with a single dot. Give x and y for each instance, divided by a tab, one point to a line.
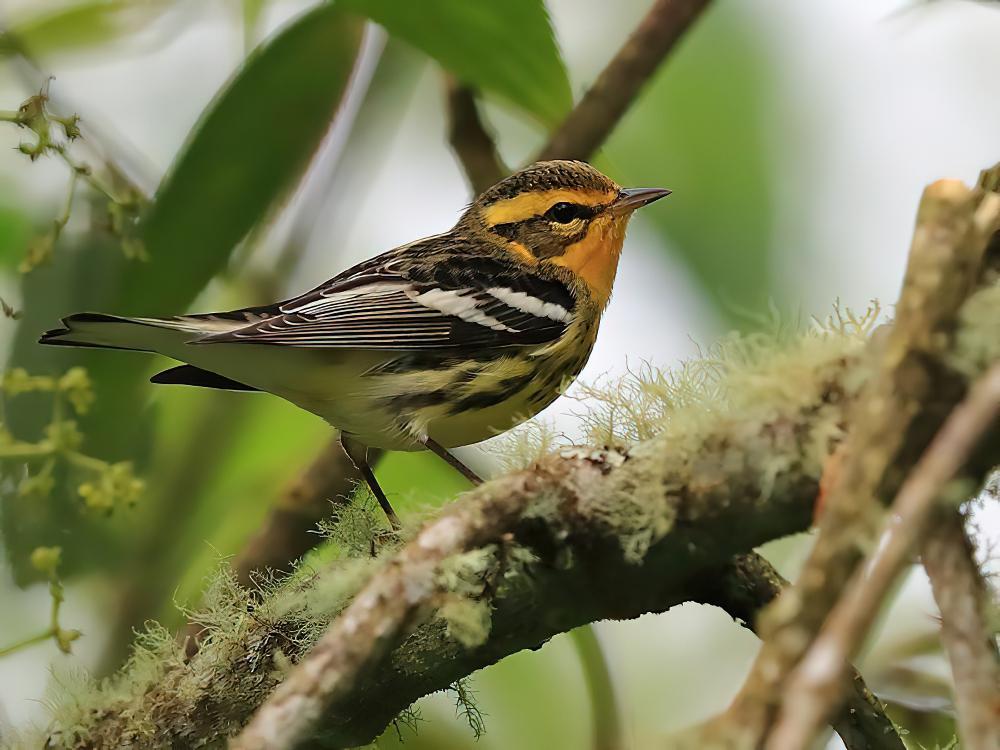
963	599
288	532
906	400
815	689
743	588
554	544
472	144
705	510
596	115
549	549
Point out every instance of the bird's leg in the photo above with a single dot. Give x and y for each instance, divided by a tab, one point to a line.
462	469
358	454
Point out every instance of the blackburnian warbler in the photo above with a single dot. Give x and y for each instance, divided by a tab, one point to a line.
436	344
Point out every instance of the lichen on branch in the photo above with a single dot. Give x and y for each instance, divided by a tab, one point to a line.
720	476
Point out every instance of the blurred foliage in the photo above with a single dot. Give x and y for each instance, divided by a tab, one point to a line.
74	27
507	48
249	149
123	205
102	485
45	560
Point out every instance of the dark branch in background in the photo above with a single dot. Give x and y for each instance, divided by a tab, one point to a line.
597	114
969	639
289	530
911	393
470	141
743	588
814	690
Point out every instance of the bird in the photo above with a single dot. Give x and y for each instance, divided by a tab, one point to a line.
436	344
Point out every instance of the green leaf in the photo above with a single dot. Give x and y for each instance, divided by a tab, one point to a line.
78	26
250	148
506	48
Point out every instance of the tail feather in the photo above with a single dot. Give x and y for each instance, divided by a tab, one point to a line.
191	375
113	332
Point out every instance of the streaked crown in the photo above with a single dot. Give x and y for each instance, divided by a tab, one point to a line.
560	213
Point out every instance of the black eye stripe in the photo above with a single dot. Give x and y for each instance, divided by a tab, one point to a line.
565	212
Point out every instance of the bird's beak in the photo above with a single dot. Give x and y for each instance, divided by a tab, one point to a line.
630	199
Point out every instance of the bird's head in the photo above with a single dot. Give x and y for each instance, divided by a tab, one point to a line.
564	213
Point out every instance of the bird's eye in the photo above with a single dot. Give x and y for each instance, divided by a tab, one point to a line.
564	213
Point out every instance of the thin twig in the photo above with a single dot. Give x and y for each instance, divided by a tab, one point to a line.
605	716
963	599
472	144
906	401
815	689
748	584
596	115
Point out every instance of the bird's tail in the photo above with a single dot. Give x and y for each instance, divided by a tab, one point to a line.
114	332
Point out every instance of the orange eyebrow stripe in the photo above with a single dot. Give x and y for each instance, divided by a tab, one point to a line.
526	205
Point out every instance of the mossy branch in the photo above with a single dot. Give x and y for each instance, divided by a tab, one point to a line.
915	387
518	560
916	383
509	565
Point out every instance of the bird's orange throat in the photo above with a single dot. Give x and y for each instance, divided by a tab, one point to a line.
595	258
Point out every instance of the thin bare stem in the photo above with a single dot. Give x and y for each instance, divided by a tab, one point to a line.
815	689
905	402
604	712
596	115
963	599
472	144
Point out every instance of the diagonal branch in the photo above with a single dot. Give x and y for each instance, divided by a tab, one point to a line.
911	392
598	112
815	689
655	515
472	143
743	588
964	601
288	531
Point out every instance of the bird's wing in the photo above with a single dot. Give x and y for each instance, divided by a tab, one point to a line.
394	303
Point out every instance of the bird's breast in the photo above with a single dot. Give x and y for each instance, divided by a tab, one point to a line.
467	398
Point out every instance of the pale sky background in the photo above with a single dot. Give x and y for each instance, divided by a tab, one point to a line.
873	105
